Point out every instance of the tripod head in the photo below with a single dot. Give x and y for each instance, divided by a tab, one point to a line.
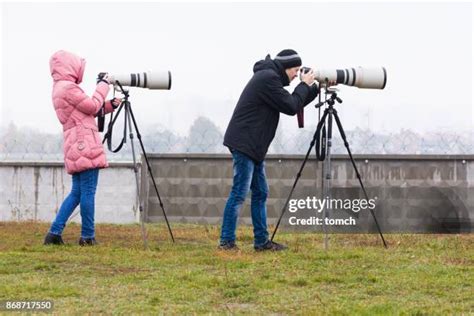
327	90
120	89
332	99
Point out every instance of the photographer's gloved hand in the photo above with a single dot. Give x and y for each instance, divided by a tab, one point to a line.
116	102
103	77
308	77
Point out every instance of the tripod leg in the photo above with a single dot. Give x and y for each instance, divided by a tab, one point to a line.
327	176
135	169
298	175
151	174
343	135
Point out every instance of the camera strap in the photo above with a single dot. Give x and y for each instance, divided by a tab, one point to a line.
101	118
110	127
321	140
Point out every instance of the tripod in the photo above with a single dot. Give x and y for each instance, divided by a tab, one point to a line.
322	150
128	119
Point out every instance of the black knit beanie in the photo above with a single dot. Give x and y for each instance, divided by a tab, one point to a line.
289	58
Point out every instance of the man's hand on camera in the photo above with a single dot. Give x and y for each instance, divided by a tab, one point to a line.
308	77
332	83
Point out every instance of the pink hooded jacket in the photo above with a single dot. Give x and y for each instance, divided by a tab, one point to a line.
76	111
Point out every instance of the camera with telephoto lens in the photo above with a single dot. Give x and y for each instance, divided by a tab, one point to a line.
154	80
360	77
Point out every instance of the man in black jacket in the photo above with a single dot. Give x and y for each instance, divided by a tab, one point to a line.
249	134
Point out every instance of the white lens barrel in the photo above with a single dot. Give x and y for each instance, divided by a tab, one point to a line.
321	75
371	78
160	80
361	77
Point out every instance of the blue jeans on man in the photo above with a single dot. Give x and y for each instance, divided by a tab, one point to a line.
248	175
84	185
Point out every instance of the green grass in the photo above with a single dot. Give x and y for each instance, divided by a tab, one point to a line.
418	274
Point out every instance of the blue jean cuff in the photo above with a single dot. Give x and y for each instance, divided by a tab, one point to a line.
259	244
222	242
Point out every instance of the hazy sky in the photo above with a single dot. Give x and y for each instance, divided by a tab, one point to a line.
210	49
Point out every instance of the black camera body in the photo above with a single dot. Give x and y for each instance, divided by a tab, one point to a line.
101	76
305	70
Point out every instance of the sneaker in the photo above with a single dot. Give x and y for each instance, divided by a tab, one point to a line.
228	245
270	246
87	241
52	239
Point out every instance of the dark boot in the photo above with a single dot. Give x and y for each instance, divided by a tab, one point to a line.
228	245
270	246
87	242
52	239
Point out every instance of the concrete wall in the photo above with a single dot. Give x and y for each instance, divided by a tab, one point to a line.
35	191
413	193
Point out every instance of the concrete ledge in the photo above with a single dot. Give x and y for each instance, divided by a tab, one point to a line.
415	193
312	157
36	190
60	164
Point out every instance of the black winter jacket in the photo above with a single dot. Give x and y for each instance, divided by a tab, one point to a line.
255	119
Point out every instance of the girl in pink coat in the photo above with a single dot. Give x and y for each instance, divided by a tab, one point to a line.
83	151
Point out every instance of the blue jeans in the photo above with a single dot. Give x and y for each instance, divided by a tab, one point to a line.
248	175
84	185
